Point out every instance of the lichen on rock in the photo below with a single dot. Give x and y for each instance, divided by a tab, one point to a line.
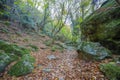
93	50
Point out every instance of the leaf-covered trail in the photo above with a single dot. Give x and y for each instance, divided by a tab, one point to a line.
66	66
63	65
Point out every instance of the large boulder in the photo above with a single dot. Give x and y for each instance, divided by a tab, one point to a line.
92	50
23	66
104	26
13	53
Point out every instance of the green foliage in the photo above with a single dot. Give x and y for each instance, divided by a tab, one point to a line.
66	32
111	70
85	3
23	66
27	13
76	33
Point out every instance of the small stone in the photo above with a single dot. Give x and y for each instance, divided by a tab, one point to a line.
39	65
46	70
61	78
51	57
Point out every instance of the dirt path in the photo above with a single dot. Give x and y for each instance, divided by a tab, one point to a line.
63	65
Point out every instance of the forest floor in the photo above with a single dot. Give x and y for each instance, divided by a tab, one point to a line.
57	65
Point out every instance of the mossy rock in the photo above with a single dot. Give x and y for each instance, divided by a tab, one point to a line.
11	52
111	70
24	66
93	50
5	60
12	48
104	26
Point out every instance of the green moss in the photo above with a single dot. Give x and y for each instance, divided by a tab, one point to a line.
104	25
107	30
56	47
33	47
11	52
12	48
53	48
104	14
26	40
93	51
7	23
111	70
5	60
23	66
48	42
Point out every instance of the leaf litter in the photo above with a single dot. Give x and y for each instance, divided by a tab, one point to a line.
56	65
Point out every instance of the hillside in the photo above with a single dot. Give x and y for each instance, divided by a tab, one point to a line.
53	65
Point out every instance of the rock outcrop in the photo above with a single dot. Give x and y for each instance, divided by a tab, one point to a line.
103	26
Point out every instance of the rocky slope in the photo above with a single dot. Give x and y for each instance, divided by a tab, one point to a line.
104	26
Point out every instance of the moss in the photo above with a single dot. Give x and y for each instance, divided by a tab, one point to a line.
26	40
5	60
104	25
111	70
56	47
12	48
7	23
11	52
53	48
93	51
23	66
33	47
107	12
48	43
108	30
